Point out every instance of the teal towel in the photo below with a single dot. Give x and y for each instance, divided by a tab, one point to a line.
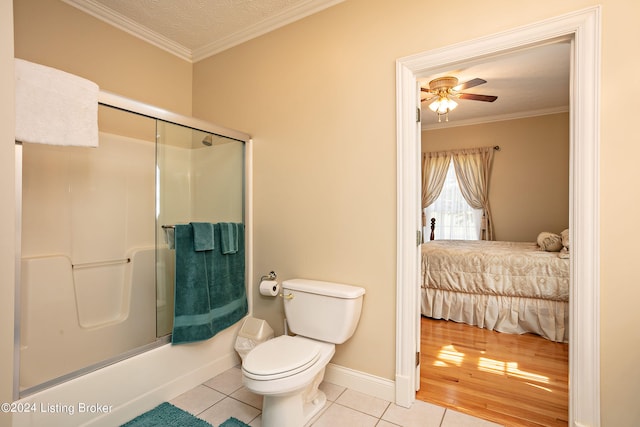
209	287
229	237
203	236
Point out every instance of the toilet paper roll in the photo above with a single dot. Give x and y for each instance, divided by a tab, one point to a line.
269	288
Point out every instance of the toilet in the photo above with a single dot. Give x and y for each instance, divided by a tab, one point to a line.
287	370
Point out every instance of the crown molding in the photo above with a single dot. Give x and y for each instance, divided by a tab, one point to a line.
280	20
129	26
496	118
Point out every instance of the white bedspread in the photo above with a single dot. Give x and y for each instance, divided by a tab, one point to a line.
511	287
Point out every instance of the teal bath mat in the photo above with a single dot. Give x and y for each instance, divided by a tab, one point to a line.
167	415
233	422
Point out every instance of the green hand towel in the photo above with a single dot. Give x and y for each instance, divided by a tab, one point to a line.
229	237
203	236
209	287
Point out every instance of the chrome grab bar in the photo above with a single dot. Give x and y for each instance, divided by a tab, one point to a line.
101	263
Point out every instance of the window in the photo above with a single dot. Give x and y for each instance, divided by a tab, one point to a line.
455	219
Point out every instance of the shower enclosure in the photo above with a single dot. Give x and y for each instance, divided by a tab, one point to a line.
96	274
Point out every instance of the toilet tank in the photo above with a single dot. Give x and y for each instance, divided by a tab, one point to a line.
324	311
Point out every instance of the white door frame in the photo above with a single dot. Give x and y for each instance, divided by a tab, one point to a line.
583	29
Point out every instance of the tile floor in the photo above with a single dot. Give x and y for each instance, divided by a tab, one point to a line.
224	396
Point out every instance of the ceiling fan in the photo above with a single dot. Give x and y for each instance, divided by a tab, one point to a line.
443	89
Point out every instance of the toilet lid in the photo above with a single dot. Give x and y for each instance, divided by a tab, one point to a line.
281	357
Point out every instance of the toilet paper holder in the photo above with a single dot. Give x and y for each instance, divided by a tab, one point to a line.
271	276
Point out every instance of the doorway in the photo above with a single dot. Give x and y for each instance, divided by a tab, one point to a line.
483	372
583	29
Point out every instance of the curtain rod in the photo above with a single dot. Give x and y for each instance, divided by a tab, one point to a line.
457	150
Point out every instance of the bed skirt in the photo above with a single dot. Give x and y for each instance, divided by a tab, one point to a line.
513	315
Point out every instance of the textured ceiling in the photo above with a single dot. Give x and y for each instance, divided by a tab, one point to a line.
195	29
196	23
527	82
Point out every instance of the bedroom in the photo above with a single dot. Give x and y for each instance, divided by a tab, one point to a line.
528	194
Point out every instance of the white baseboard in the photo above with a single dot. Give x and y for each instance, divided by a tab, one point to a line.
403	398
371	385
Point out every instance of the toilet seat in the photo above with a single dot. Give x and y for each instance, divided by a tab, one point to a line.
280	357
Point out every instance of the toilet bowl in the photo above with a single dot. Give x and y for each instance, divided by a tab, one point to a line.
287	370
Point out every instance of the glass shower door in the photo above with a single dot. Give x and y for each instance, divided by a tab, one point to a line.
87	291
199	178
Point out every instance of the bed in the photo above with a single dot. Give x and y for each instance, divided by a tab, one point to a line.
511	287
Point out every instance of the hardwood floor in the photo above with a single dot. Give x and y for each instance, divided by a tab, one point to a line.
513	380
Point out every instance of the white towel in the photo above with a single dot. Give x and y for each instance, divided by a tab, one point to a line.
55	107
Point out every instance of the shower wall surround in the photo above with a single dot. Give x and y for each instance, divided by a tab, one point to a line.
88	267
96	270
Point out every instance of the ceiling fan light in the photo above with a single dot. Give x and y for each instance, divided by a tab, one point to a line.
442	105
451	104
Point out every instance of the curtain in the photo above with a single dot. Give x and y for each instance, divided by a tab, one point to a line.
473	168
434	172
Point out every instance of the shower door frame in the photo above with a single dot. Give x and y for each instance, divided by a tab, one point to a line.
119	102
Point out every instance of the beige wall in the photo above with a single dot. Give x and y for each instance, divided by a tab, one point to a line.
619	210
529	187
324	175
7	207
319	97
52	33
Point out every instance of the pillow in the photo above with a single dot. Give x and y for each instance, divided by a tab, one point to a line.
565	238
549	242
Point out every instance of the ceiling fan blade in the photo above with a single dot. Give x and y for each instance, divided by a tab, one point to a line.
476	97
429	98
470	83
425	89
